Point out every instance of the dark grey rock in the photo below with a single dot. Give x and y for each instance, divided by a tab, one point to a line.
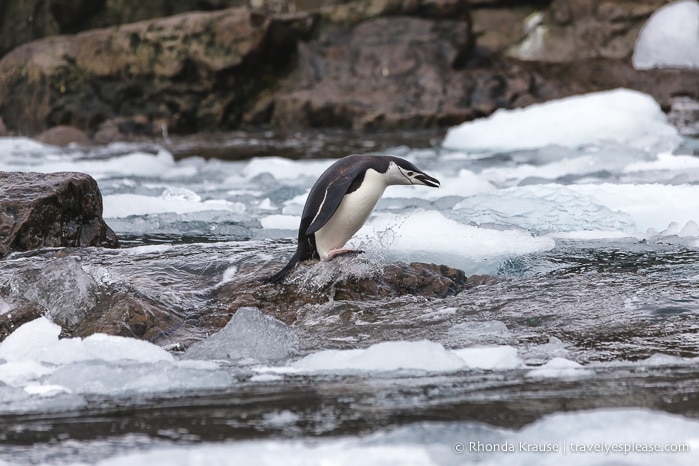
51	210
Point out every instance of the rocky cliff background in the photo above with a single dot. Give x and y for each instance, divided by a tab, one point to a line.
113	69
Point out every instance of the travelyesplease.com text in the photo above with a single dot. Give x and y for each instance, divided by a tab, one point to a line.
606	448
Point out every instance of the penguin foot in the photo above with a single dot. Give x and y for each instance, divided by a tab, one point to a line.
339	252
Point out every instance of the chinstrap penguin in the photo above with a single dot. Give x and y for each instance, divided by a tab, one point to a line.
342	199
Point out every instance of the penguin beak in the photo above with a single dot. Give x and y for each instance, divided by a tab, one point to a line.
427	180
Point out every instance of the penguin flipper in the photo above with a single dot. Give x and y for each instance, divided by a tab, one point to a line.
331	201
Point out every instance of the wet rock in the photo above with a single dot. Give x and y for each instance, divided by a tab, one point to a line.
51	210
81	300
62	287
684	115
345	278
127	313
18	316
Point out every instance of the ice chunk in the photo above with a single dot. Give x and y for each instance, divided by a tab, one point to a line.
429	444
46	390
214	223
285	169
108	377
606	210
587	437
38	341
472	249
670	38
466	183
341	452
651	206
387	356
561	367
125	205
490	357
623	116
280	222
542	209
61	286
248	335
478	332
22	371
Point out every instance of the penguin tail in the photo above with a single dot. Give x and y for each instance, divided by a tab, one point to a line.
279	276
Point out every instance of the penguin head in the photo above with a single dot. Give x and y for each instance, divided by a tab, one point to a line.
403	172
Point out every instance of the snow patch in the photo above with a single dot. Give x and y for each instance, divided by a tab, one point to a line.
622	116
670	38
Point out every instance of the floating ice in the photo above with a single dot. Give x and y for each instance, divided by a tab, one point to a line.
542	209
104	377
280	222
585	437
248	335
387	356
466	183
285	169
407	355
38	341
568	436
472	249
282	453
561	367
586	211
651	206
478	332
670	38
623	116
35	360
490	357
23	157
124	205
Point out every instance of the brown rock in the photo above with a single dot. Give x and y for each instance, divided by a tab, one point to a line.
23	21
126	314
192	71
49	210
63	136
345	278
18	316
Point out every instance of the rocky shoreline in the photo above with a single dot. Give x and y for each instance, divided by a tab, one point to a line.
367	65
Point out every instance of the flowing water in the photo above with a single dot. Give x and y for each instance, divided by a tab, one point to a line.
581	325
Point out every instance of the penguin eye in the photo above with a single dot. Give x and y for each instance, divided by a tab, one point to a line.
411	173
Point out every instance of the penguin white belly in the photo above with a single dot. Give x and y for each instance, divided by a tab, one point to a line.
353	211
